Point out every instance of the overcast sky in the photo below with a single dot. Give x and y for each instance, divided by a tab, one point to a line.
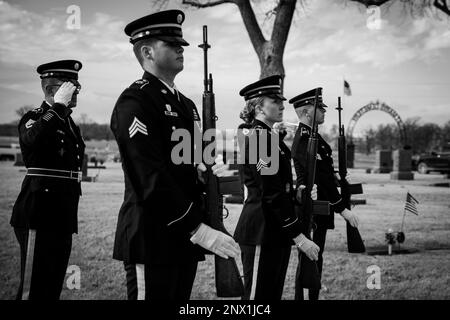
405	63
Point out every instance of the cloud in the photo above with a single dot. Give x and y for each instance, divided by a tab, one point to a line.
31	38
342	32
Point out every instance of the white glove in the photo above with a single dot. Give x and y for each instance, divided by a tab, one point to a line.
348	177
215	241
64	93
307	246
279	127
314	192
300	190
350	217
218	169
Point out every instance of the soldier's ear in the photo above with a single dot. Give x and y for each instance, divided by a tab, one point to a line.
147	52
48	90
258	109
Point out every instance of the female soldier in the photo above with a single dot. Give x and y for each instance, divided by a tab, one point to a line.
268	224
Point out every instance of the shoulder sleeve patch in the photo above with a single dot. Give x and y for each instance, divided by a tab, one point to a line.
29	123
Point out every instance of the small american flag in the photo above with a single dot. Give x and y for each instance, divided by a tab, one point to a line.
411	203
347	90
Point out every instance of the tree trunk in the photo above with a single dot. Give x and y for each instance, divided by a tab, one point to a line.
270	61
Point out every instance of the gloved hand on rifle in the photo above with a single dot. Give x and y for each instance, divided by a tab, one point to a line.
348	177
307	246
300	189
215	241
219	168
350	217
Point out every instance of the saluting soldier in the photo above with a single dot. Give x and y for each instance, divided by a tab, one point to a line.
268	225
160	221
325	177
45	213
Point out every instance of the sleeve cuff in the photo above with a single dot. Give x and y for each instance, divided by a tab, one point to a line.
60	110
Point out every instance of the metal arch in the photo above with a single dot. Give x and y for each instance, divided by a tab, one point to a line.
381	106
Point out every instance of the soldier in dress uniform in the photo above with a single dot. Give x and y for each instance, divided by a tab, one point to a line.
160	221
268	225
325	177
45	213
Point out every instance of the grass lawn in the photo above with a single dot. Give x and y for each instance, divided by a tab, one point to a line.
421	275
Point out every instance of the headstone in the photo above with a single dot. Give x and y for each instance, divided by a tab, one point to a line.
350	155
402	165
84	167
383	161
19	160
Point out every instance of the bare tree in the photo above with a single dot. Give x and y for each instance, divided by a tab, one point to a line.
23	110
84	119
415	7
270	51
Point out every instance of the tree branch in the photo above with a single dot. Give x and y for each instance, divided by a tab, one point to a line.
442	5
285	12
252	26
197	4
369	3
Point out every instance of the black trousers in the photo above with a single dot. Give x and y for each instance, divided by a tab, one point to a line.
319	238
271	271
47	263
162	282
273	264
248	259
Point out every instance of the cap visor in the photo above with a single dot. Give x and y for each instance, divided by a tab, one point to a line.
177	40
279	96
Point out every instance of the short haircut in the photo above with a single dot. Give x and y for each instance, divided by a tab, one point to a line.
138	46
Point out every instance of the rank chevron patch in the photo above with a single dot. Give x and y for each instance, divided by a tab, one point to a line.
261	164
137	126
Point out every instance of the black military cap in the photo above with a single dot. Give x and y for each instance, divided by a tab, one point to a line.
60	69
307	98
270	86
163	25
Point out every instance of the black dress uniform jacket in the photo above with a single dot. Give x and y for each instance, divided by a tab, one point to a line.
162	200
280	223
250	227
325	177
51	142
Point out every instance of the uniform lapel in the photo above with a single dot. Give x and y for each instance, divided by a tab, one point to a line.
76	131
63	125
170	98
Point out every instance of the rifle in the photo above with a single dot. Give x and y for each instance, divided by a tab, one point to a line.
355	243
309	276
228	279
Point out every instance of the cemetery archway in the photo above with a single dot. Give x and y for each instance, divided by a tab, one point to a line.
381	106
